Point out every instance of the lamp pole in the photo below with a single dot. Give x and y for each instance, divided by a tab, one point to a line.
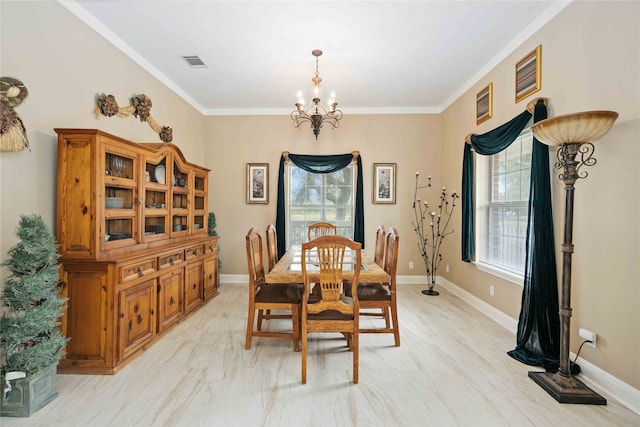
568	132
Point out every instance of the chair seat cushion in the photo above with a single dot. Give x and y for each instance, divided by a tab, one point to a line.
373	292
280	293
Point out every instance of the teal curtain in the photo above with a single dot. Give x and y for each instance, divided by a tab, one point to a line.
538	338
489	143
319	164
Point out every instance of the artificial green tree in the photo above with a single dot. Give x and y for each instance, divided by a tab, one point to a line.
211	231
29	334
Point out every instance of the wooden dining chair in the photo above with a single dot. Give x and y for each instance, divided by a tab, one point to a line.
383	295
378	255
273	296
319	229
272	246
330	310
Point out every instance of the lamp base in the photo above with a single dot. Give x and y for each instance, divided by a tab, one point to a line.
430	292
567	389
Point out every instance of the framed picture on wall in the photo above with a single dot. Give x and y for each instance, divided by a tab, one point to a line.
529	74
484	104
257	182
384	183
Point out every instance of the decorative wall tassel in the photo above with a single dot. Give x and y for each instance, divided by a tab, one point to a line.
13	134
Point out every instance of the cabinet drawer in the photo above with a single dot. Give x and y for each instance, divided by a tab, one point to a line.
169	260
137	269
193	252
211	248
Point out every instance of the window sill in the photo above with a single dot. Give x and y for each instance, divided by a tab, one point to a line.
501	273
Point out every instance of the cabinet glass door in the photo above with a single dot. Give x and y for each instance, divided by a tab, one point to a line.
120	198
199	204
180	199
155	220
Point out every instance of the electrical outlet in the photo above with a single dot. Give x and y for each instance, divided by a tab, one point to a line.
492	290
410	265
447	268
588	335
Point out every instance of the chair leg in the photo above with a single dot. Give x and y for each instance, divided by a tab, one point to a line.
385	314
260	317
250	318
396	327
354	339
304	353
296	326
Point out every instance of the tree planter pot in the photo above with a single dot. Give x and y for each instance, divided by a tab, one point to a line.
29	394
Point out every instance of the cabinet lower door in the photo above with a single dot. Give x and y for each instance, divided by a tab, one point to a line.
137	315
210	277
193	292
88	319
170	292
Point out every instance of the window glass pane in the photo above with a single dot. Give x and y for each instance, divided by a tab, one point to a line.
509	178
319	197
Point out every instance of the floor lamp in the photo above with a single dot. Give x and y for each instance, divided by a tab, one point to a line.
574	135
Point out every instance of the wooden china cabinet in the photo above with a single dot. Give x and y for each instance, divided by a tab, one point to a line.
135	254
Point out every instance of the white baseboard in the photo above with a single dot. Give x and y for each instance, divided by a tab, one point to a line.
593	376
234	278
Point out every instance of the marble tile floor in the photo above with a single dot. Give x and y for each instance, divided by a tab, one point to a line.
451	370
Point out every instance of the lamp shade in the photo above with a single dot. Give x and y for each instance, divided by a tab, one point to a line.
576	128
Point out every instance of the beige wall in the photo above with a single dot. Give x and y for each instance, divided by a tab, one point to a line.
590	61
64	64
410	141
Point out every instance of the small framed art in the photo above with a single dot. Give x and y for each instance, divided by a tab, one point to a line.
384	183
257	182
484	104
529	74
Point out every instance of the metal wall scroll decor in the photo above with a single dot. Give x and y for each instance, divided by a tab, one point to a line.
140	107
13	135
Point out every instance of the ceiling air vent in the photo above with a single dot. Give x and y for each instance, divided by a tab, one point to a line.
194	61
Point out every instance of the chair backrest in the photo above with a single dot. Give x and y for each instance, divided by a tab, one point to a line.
255	261
272	246
378	256
391	255
321	229
326	254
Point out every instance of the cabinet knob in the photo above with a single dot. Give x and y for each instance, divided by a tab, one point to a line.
171	261
139	319
171	301
210	276
194	286
140	272
121	315
195	252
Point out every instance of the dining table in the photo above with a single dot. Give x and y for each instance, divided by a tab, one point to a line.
289	268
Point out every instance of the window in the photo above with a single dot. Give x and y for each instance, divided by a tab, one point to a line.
503	199
319	197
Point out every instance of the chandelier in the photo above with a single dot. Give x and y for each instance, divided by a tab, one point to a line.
316	114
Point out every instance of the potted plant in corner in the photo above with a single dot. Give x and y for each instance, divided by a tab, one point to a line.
211	231
30	339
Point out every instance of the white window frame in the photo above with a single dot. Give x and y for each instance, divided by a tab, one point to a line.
482	195
288	170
